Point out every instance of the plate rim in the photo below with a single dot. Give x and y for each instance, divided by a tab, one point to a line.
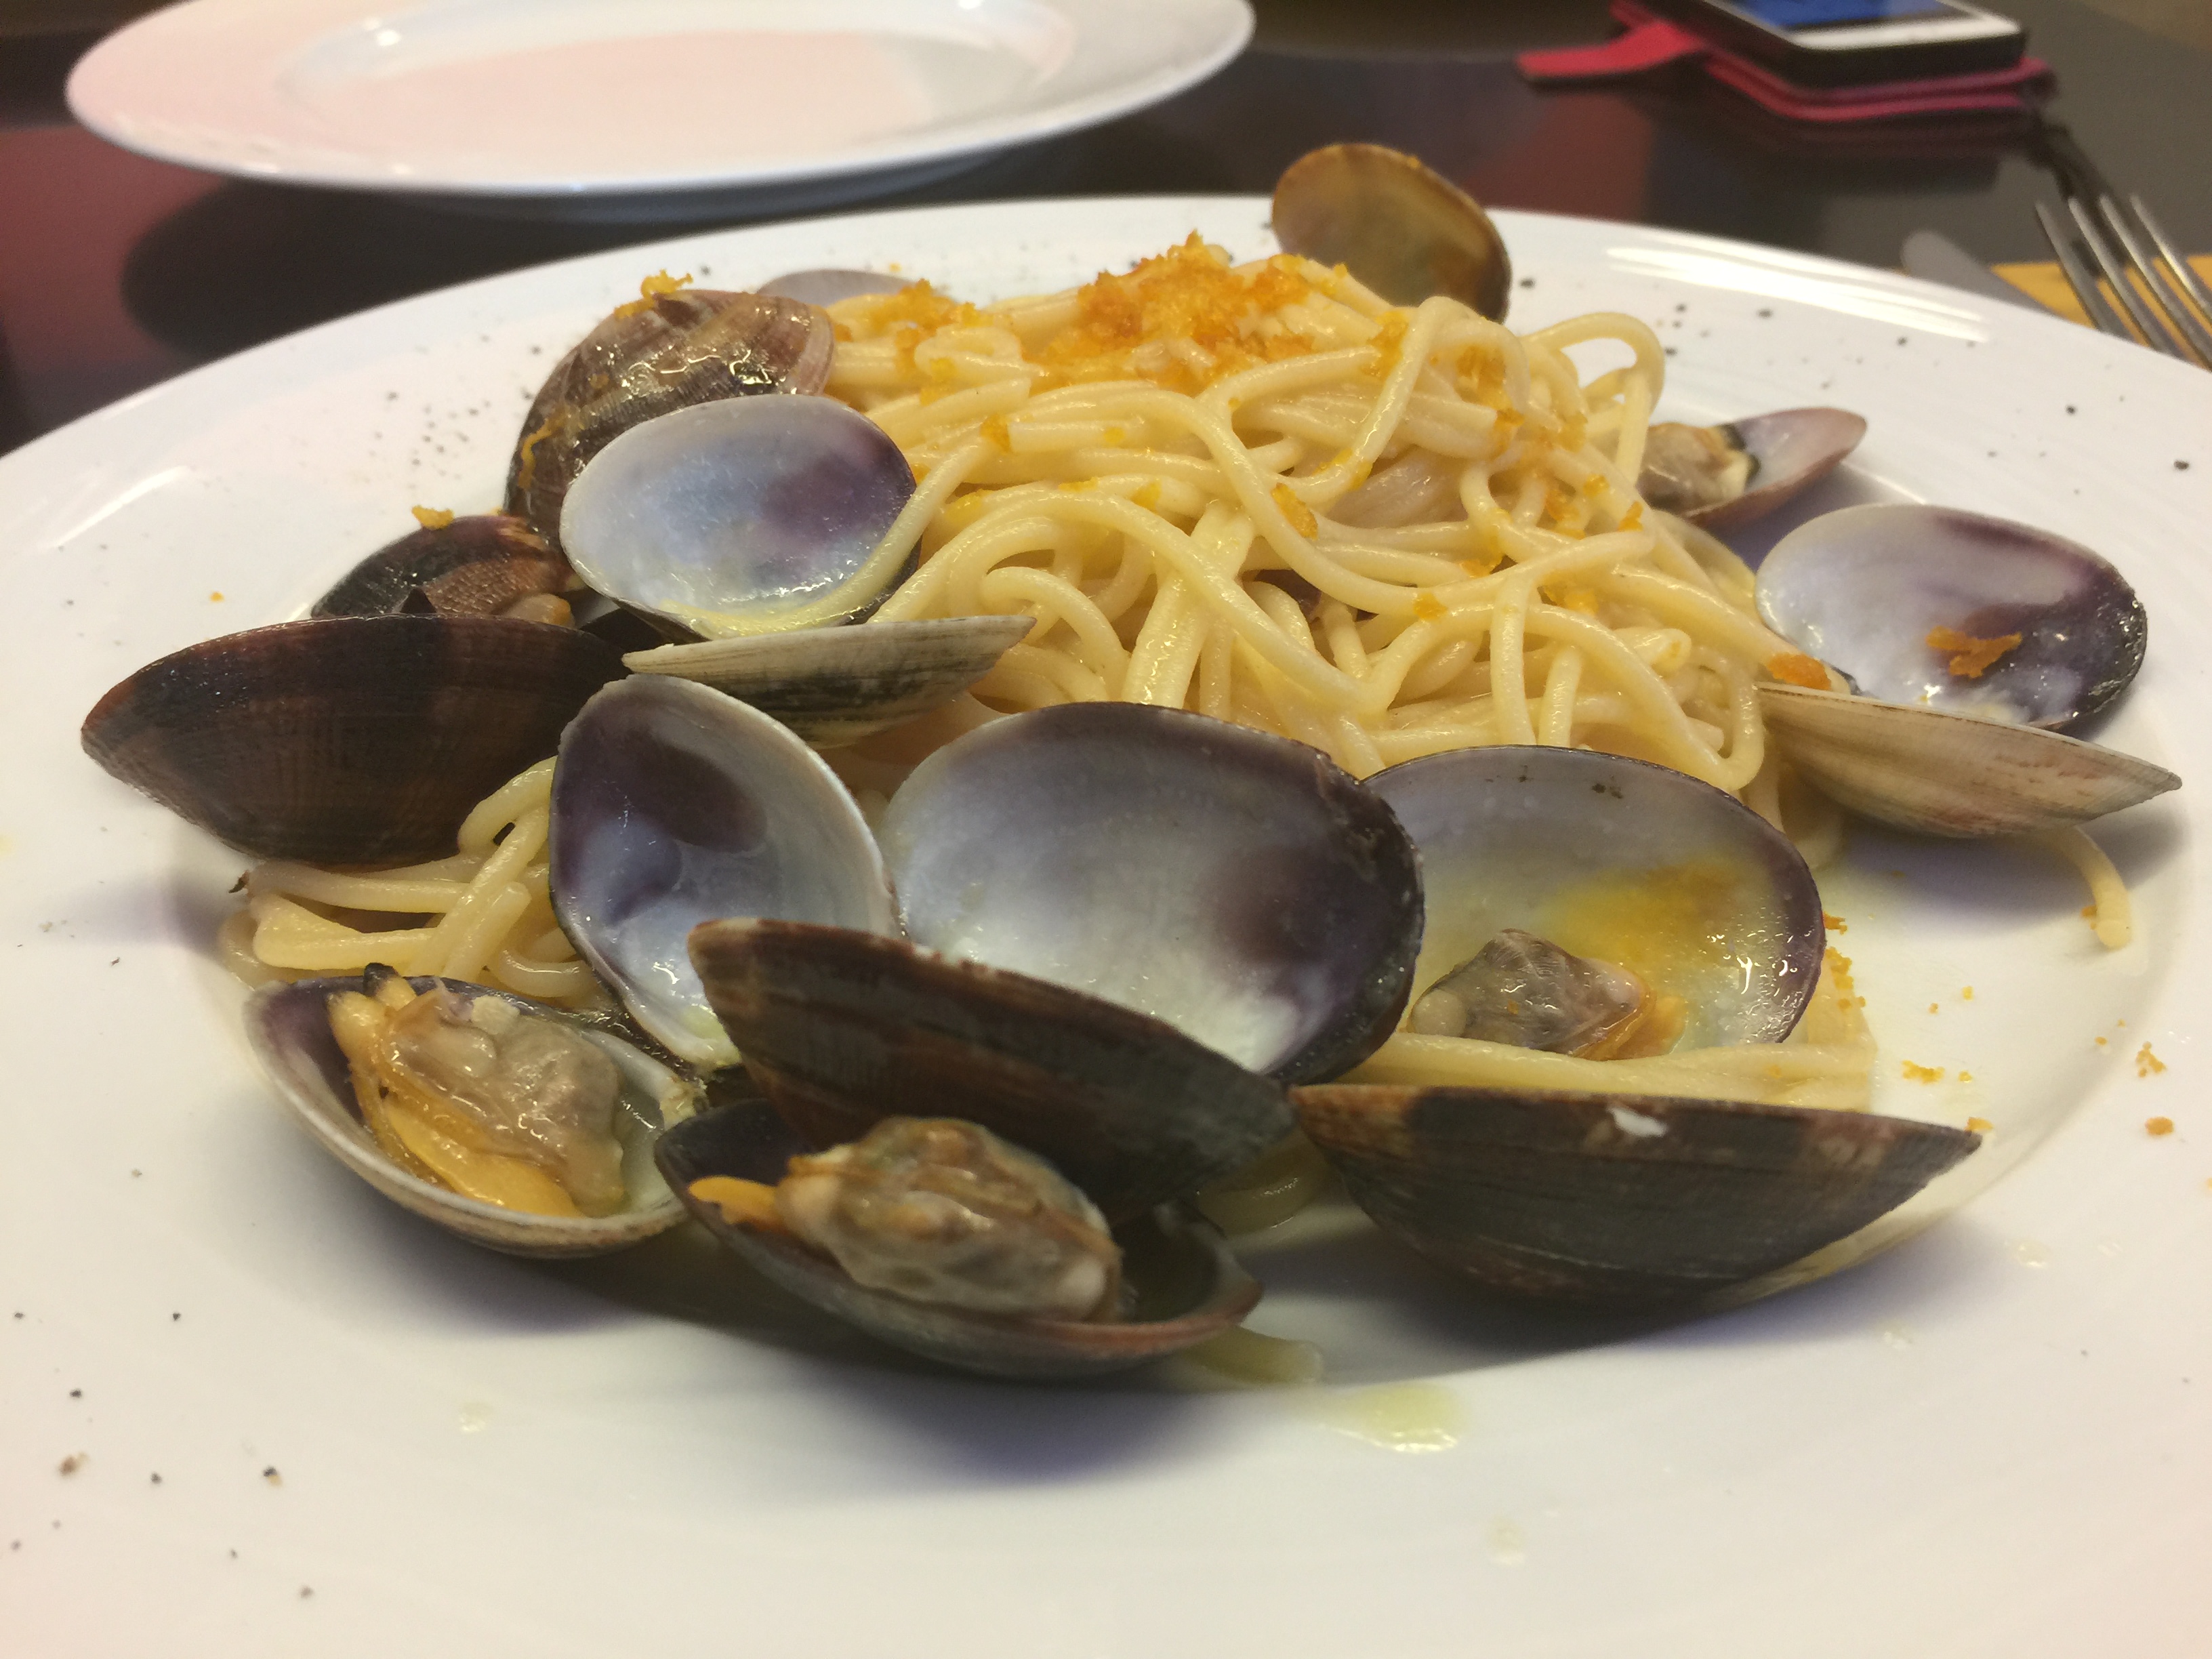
899	160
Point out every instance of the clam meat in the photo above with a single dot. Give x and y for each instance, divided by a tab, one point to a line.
1722	477
941	1210
514	1124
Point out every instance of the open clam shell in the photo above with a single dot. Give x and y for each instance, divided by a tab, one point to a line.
1189	1286
1896	596
663	353
673	804
1402	229
835	686
747	516
470	567
1951	774
827	287
1782	454
289	1029
1236	885
346	739
1619	860
843	1029
1622	1201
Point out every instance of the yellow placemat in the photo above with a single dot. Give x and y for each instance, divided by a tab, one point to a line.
2046	284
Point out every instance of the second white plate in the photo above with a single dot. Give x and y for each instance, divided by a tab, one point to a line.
634	108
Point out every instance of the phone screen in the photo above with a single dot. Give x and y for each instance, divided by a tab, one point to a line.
1828	14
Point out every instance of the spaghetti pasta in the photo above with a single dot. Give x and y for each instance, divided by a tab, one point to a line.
483	914
1261	492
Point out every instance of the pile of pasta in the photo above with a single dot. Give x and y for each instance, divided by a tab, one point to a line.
1260	492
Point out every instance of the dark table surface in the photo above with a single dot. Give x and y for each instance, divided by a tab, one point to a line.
117	271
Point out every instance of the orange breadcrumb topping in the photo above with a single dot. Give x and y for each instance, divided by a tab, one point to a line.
2158	1126
1796	668
1834	924
1980	1126
216	597
994	432
1300	515
1584	599
1972	657
431	518
2147	1063
1428	607
1923	1073
1633	519
651	288
1967	995
1189	293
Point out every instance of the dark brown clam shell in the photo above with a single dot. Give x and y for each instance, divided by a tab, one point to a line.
473	567
1404	230
843	1029
667	353
1625	1200
1187	1286
346	739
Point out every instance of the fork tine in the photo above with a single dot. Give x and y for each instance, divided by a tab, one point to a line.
2184	272
2080	277
2152	327
2170	307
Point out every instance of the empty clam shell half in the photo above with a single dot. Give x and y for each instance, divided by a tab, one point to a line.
1720	476
1239	886
826	288
673	804
835	686
1403	230
1951	774
1624	1201
1953	610
1187	1286
1620	861
843	1029
752	515
289	1029
666	352
346	739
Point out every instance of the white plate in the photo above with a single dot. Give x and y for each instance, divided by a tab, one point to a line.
634	108
1991	1441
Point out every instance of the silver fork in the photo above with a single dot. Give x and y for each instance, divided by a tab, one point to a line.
2127	248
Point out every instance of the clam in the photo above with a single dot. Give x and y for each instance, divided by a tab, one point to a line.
666	351
1617	861
1968	637
836	685
1954	611
842	1029
1951	774
1624	1201
747	516
1181	1285
826	288
1566	892
470	567
346	739
1721	476
1400	228
1238	886
290	1028
673	804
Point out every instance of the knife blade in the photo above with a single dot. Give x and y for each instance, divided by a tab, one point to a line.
1933	256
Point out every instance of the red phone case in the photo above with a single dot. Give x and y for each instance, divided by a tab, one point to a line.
1651	42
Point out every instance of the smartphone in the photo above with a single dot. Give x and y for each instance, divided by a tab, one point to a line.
1838	42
